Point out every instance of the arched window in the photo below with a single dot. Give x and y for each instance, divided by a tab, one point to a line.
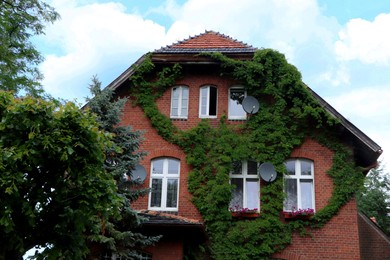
164	184
236	95
299	185
208	101
179	102
246	193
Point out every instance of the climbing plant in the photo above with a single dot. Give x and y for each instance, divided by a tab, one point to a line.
288	115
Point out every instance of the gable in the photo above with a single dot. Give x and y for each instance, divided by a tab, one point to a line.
186	52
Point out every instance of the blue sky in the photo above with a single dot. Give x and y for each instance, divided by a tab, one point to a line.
340	47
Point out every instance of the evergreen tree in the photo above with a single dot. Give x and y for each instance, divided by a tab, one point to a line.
374	200
19	21
120	161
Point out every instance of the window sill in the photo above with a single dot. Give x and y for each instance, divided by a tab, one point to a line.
290	216
247	215
237	119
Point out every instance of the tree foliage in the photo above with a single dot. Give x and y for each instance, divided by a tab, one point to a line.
53	187
20	20
374	200
121	160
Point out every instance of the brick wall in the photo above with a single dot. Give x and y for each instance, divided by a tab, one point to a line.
374	243
167	249
337	240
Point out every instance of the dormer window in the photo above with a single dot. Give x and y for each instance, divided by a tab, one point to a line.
179	102
208	102
236	95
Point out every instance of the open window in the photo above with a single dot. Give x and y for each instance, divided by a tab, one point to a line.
208	102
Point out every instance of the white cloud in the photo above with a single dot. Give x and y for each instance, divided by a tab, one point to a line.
365	41
368	109
263	23
369	103
90	38
338	75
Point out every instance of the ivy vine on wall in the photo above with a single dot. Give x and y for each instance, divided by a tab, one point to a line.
288	115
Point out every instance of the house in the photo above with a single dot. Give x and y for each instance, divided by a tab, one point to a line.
217	115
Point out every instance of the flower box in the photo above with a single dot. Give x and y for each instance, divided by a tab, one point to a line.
238	212
245	214
302	214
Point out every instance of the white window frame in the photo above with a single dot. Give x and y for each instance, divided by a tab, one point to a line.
245	176
234	117
180	102
299	177
207	114
165	177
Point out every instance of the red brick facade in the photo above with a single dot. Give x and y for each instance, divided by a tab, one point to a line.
338	239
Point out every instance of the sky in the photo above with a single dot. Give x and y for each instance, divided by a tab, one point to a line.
340	47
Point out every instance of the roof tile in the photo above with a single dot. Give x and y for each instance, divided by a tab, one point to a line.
208	41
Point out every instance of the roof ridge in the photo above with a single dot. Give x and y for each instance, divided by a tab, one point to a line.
210	40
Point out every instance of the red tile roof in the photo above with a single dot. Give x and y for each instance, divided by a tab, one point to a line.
208	41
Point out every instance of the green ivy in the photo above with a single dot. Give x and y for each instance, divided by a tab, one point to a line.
287	115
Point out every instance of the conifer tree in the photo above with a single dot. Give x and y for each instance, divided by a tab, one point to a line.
120	162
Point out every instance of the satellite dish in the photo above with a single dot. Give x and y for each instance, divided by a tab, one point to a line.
267	172
139	173
250	105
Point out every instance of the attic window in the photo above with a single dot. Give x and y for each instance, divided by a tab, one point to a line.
208	102
179	102
236	95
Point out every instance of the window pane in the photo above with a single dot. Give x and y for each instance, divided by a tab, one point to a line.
237	167
305	167
156	193
185	92
306	194
172	193
174	112
213	101
175	92
158	166
290	167
235	103
203	101
184	107
173	166
175	102
237	200
290	188
252	168
252	193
